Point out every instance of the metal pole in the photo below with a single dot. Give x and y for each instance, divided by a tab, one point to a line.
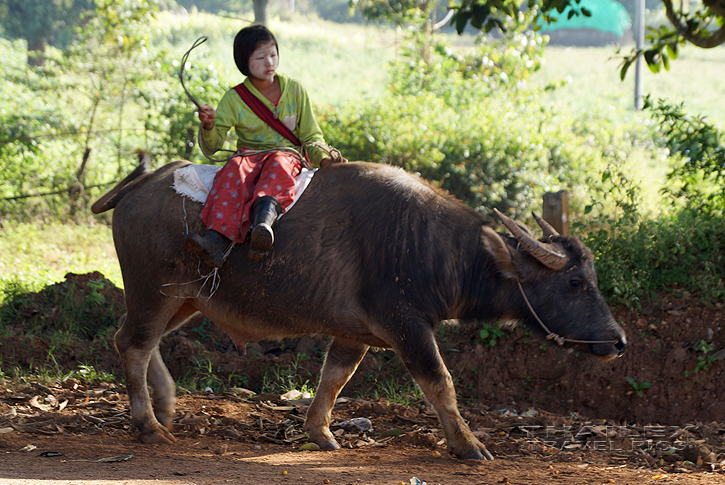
639	35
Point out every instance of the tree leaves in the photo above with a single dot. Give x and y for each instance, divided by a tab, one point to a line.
702	145
692	26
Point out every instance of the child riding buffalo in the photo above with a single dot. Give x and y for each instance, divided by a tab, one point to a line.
273	118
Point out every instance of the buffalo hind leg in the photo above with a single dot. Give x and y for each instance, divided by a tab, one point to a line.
135	367
341	361
137	343
162	384
164	390
423	360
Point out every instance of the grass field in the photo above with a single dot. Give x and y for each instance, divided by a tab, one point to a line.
696	78
34	255
339	64
335	62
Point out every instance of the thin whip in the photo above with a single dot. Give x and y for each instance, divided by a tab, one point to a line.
196	44
200	137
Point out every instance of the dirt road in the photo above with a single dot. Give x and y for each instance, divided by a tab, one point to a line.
225	439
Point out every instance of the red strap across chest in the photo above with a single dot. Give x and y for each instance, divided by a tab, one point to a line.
258	107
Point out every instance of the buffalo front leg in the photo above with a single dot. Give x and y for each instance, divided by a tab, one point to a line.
421	357
135	355
341	361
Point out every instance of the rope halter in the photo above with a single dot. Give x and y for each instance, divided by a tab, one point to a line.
553	336
550	255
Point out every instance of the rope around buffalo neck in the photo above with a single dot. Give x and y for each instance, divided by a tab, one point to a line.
553	336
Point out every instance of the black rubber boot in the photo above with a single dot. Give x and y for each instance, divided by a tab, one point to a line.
264	213
210	248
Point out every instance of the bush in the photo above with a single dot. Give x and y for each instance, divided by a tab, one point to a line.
503	151
474	126
700	177
680	251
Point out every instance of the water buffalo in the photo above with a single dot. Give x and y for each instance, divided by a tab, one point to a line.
370	255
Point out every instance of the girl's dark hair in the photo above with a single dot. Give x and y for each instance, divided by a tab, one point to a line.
246	41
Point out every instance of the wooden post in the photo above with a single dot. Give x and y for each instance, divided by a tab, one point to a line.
556	211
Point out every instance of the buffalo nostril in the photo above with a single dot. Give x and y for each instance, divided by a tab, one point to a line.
621	345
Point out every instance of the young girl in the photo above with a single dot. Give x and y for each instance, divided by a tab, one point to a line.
257	184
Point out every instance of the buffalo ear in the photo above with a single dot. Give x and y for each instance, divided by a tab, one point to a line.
503	255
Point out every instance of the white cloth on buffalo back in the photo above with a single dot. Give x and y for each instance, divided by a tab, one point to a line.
195	182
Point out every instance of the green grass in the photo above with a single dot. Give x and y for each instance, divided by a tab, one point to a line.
696	78
53	375
35	255
335	62
287	377
403	391
202	375
594	88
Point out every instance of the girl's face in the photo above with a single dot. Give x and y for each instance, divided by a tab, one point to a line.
263	61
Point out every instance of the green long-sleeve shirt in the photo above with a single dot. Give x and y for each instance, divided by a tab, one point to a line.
293	109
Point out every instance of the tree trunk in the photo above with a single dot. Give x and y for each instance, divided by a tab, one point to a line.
260	11
80	174
36	52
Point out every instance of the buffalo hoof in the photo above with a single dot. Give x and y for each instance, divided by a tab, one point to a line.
483	454
166	421
326	444
476	452
157	436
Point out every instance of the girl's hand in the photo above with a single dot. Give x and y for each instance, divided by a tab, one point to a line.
336	158
207	116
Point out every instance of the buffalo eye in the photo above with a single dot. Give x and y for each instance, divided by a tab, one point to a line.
576	283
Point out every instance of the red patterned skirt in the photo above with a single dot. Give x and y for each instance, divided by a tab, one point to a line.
242	181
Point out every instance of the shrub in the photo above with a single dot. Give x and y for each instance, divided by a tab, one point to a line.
678	249
700	176
503	151
681	251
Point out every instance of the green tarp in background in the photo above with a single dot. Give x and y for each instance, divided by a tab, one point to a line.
607	16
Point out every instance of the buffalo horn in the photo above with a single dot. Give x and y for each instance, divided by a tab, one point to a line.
545	226
543	252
